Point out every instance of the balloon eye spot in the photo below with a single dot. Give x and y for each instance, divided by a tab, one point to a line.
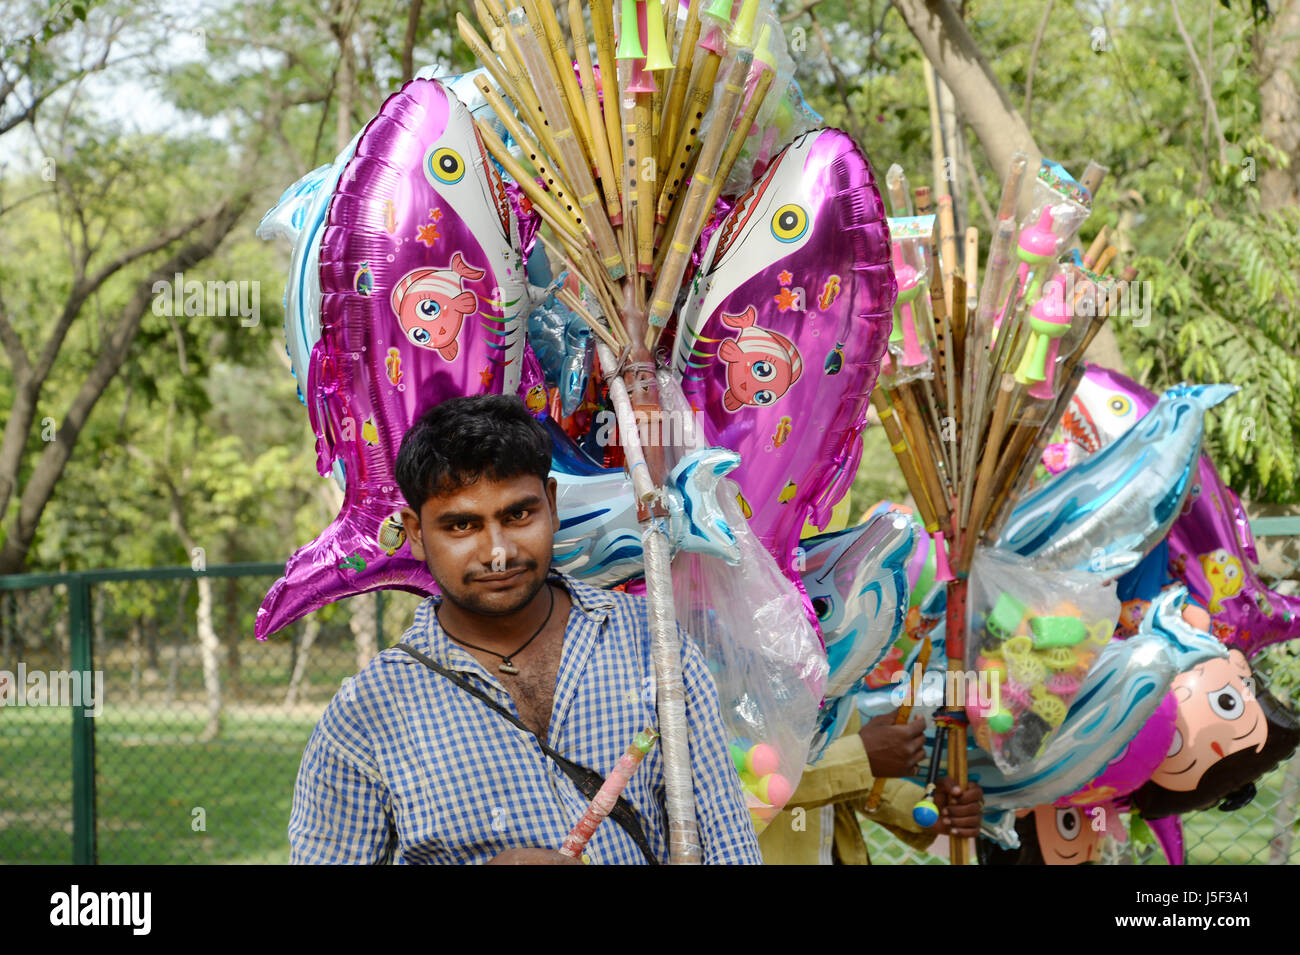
789	223
1175	744
764	370
419	335
764	397
429	307
1226	703
821	607
446	166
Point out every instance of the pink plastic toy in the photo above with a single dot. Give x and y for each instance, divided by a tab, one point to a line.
1049	319
909	287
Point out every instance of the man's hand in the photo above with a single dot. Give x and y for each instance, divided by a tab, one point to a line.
533	857
959	808
893	750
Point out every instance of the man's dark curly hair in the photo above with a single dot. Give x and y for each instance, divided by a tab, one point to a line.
457	442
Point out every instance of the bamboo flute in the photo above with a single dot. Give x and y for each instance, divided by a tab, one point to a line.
602	28
902	716
681	80
693	213
574	163
595	116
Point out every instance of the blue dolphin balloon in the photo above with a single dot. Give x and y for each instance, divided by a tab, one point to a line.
599	538
857	581
1105	513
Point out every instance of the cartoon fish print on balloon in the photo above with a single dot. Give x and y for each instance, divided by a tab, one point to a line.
1223	572
432	305
762	365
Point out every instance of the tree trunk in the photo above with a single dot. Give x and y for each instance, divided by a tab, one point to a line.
408	42
1277	52
210	647
983	102
347	80
151	651
364	632
231	636
298	681
209	644
137	659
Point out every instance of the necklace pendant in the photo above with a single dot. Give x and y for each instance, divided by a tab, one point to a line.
508	667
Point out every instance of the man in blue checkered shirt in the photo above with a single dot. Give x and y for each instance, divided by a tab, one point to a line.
405	766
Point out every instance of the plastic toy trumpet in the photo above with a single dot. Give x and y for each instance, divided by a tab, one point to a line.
629	38
1049	319
909	288
1035	248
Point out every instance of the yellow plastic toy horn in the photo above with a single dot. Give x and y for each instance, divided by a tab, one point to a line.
742	31
629	37
657	55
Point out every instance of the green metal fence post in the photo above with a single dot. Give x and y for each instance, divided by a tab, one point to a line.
81	637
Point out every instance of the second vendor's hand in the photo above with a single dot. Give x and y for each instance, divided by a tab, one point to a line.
960	808
893	750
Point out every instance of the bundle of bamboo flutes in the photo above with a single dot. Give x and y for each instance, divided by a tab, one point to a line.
967	433
629	172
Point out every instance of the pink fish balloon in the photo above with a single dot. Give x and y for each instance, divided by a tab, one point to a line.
780	339
423	294
1211	547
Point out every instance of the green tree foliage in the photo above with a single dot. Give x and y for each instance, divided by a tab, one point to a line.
1115	82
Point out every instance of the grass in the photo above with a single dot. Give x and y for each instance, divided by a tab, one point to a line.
151	776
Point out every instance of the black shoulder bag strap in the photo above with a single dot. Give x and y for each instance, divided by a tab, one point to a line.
589	782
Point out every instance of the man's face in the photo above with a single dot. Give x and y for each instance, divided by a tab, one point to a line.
1218	715
488	545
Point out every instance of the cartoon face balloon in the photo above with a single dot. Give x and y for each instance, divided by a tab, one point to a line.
1218	714
422	297
1229	732
1064	836
780	338
1211	547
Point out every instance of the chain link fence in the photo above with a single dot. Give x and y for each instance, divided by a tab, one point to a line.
188	750
193	753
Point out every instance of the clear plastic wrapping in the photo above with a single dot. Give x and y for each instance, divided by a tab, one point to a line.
911	343
765	656
1032	637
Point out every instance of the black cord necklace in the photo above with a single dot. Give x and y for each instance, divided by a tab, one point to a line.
506	666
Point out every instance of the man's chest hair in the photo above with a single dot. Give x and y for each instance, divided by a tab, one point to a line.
533	690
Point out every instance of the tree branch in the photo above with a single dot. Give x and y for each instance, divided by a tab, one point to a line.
948	45
1206	92
54	458
1033	66
841	83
